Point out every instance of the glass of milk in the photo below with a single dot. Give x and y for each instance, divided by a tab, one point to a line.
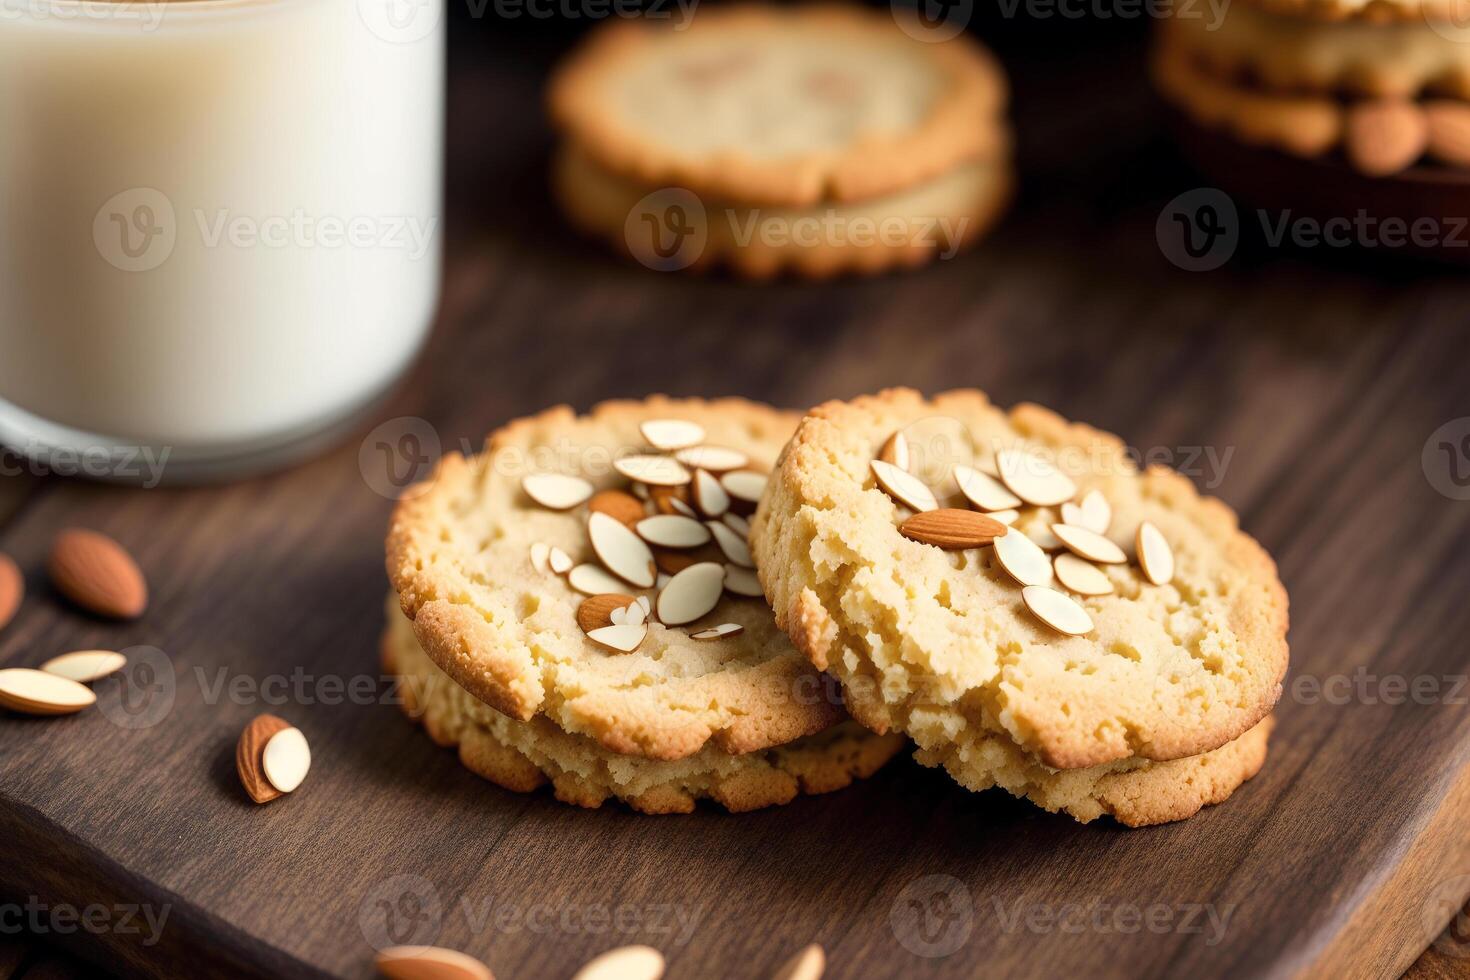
219	222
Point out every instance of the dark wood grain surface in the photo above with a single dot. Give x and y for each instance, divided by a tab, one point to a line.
1314	378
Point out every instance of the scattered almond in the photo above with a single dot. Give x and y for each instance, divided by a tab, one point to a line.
656	471
592	580
808	964
673	531
617	504
691	594
1023	560
681	509
540	556
716	459
1089	544
903	486
732	544
286	759
12	589
1155	556
744	487
1057	610
719	632
559	561
1097	513
249	753
85	666
1033	478
984	490
666	500
622	551
98	574
709	496
1385	136
556	491
596	611
1006	517
1081	576
429	963
896	451
624	638
952	529
743	582
737	524
672	562
625	963
35	692
671	434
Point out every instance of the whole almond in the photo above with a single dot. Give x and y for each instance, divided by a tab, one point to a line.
12	589
1449	131
1385	136
249	752
98	574
952	528
429	963
596	610
619	505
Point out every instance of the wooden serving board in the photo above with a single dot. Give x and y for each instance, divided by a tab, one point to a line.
1315	383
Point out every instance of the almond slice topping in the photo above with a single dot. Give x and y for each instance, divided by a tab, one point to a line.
35	692
709	496
1089	544
671	434
593	580
896	451
737	524
744	485
85	666
656	471
984	490
1006	517
596	611
557	491
808	964
624	963
743	582
429	963
1097	513
668	500
617	504
624	639
716	459
559	561
718	632
903	487
624	553
286	759
1057	609
732	544
673	531
1155	556
540	554
691	594
1082	577
1033	478
682	509
1023	560
952	529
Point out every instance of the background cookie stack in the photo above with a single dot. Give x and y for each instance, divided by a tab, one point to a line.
814	140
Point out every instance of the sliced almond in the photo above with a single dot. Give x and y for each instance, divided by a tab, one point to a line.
732	544
738	524
250	753
1089	544
557	491
1006	517
896	451
429	963
636	613
624	553
617	504
640	490
625	963
667	500
12	589
808	964
952	529
540	555
1097	513
98	574
656	471
1023	560
663	579
286	759
716	459
902	486
594	580
745	486
1081	576
671	434
673	531
682	509
691	594
624	639
1033	478
984	490
709	496
1057	609
596	611
1155	556
85	666
743	582
35	692
559	561
719	632
672	562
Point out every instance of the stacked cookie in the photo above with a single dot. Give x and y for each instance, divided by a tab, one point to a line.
1382	84
814	140
1008	590
577	604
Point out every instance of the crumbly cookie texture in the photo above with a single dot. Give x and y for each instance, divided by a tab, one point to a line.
938	217
779	106
459	557
1134	792
937	644
522	756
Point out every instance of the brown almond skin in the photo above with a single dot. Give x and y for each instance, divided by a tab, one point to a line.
12	589
1385	136
952	529
250	751
662	495
620	505
98	574
595	611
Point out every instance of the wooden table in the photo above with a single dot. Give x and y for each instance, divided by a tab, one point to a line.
1316	380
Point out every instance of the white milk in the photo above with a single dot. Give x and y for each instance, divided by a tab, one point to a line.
219	221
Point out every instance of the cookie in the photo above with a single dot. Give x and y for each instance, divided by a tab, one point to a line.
943	643
482	570
522	756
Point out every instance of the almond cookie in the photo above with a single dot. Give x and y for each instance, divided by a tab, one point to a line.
493	558
1117	615
522	756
